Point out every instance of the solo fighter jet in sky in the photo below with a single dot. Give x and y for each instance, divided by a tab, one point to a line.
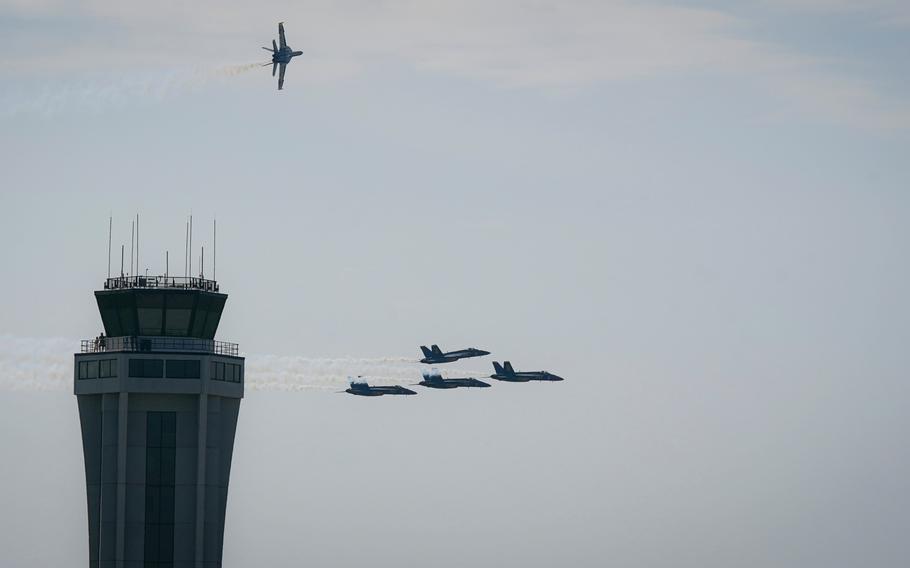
435	355
505	372
361	388
281	55
434	380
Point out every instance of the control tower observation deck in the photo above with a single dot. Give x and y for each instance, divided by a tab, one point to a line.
158	402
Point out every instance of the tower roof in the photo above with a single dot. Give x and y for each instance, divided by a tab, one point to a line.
160	306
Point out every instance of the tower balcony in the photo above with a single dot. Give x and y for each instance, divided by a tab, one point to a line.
157	344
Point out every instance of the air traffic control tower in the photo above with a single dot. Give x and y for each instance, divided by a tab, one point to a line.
158	403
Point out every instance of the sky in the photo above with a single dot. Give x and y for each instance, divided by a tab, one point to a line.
693	211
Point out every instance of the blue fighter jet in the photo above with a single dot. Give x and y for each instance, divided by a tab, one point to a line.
435	355
434	380
506	373
361	388
281	55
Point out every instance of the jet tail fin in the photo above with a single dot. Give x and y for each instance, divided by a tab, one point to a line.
508	366
498	368
436	350
274	46
426	351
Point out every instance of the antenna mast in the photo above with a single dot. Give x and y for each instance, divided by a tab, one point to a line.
186	241
110	228
215	245
191	244
121	261
132	243
137	244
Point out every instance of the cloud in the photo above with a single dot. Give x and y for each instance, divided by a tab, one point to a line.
509	43
886	12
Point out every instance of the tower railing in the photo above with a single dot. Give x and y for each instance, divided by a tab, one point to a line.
159	344
170	282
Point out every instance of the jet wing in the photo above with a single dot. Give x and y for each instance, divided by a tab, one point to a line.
281	75
284	42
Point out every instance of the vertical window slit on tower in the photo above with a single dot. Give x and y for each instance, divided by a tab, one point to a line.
160	468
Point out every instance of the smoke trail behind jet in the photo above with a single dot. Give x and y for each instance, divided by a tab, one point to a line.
103	94
46	364
29	364
233	70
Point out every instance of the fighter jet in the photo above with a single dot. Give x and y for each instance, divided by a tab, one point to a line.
361	388
505	372
434	380
281	55
435	355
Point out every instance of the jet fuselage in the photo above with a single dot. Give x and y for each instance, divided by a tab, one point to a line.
506	373
440	383
363	389
524	377
437	356
284	55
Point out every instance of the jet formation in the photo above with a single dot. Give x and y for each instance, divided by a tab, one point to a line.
435	380
281	55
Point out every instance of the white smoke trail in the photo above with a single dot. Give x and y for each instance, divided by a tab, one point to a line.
101	95
233	70
274	372
29	364
47	364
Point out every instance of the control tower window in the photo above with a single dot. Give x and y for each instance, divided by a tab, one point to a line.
160	469
150	309
180	369
178	314
103	369
107	368
228	372
88	369
147	368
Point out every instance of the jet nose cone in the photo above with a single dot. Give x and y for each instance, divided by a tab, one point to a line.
556	378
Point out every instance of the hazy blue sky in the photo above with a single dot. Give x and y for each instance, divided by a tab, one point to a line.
696	212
